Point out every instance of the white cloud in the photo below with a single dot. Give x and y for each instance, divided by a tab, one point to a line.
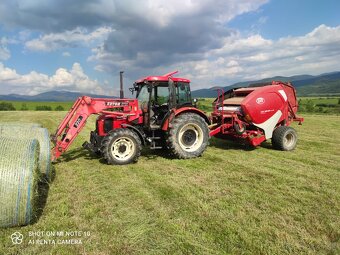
53	16
4	51
68	39
7	74
32	83
171	36
24	35
243	58
158	36
313	53
66	54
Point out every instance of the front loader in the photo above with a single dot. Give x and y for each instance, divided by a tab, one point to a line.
162	116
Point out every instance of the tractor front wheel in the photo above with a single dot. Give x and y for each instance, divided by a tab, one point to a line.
121	146
188	136
284	138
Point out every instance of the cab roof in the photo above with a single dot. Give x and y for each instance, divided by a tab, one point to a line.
164	77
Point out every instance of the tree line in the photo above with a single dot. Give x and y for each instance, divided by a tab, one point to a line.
6	106
310	106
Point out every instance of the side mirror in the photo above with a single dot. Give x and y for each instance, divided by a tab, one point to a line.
134	88
195	101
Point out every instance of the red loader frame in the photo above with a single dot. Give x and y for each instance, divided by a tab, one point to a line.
125	111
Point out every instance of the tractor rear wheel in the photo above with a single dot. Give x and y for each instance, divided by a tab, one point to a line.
284	138
121	146
188	136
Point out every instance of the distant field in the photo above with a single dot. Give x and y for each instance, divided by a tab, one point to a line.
321	100
31	106
232	200
307	104
320	104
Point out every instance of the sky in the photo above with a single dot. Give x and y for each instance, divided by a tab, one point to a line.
81	45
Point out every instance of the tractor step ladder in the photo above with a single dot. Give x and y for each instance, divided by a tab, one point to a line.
153	139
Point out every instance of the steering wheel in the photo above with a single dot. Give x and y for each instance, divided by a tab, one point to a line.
154	104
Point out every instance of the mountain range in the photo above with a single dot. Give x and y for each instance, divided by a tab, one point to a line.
51	96
306	85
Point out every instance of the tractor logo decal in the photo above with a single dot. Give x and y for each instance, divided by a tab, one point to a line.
76	124
117	103
260	100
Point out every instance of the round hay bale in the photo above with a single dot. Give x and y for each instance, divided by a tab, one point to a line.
41	134
19	177
21	124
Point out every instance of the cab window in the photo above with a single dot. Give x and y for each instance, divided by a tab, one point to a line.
162	94
143	95
183	93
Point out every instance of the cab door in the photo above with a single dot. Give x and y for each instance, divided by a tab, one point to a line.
172	94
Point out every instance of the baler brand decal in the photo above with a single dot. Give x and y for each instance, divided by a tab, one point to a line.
267	111
260	100
116	103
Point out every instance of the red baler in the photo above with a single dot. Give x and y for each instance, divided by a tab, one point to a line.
257	113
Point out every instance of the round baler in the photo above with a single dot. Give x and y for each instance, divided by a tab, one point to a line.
257	113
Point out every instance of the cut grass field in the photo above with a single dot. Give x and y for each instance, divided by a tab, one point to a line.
232	200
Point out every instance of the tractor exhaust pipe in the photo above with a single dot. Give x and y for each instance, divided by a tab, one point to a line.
121	84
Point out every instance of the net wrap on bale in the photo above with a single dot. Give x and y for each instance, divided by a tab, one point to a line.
41	134
21	124
19	177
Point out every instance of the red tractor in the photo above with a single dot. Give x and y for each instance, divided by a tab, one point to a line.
162	116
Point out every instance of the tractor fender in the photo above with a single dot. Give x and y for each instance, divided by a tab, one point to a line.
176	112
140	133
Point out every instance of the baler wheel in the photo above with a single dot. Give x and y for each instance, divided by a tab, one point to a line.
284	138
188	136
121	146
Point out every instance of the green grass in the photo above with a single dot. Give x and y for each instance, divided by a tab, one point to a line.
321	100
32	105
232	200
323	105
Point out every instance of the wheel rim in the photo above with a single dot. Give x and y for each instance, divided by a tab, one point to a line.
190	137
289	140
122	148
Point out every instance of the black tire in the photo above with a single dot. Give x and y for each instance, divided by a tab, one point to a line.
121	146
188	136
284	138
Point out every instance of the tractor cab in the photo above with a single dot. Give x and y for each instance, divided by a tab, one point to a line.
159	95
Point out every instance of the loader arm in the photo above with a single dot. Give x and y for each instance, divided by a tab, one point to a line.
84	107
